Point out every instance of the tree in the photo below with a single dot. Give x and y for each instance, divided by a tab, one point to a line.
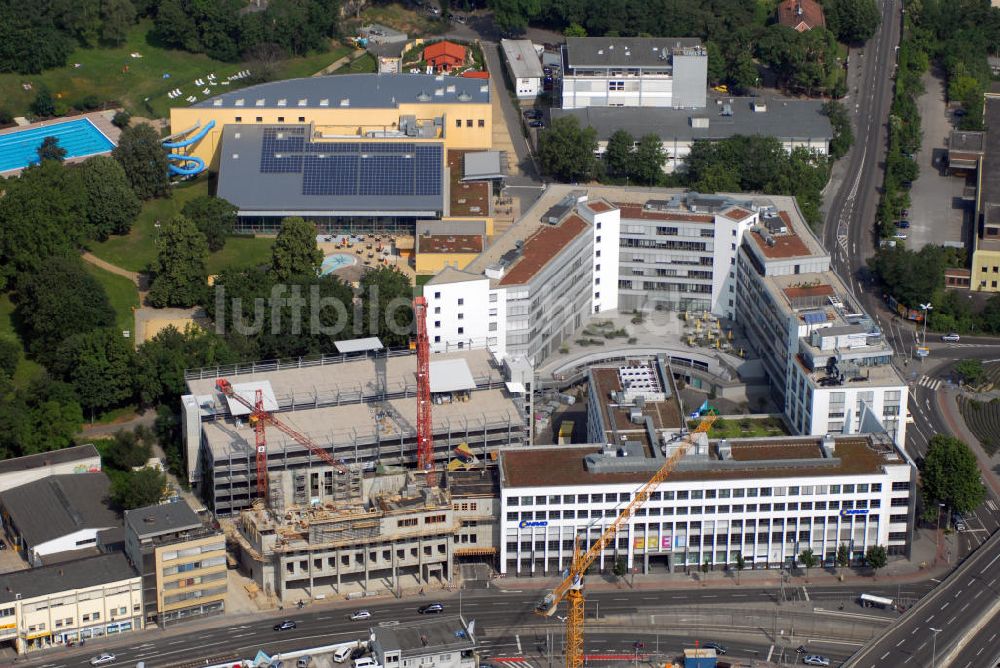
575	30
130	449
10	356
566	151
950	475
30	41
112	205
971	371
843	135
58	301
511	16
876	558
649	160
808	559
618	154
843	558
294	252
911	278
162	360
144	160
387	305
51	150
100	365
42	417
136	489
122	119
741	563
853	21
43	104
117	16
214	217
179	274
620	567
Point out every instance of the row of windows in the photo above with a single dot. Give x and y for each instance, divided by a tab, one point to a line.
468	122
861	504
683	495
193	551
688	541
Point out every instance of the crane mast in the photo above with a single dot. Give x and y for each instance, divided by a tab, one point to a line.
571	588
425	435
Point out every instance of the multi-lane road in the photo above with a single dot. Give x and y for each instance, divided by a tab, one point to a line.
504	620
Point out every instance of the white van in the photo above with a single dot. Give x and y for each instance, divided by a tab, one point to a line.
366	662
341	654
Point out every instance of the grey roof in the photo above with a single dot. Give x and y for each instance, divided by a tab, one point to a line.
280	192
387	49
966	141
43	459
785	119
67	576
376	91
482	165
160	519
452	275
425	636
522	58
991	154
625	51
60	505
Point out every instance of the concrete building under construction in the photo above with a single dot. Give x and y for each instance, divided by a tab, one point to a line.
393	532
360	408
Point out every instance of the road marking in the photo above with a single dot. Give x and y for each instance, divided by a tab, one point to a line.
992	506
619	599
959	593
517	639
900	642
951	620
929	619
245	635
770	651
714	596
978	593
962	609
882	658
945	605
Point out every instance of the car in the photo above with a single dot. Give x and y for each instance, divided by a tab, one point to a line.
537	123
903	224
358	652
430	609
361	614
433	10
801	649
286	625
102	659
960	112
303	661
366	662
719	649
906	185
909	416
459	19
905	213
900	235
547	71
532	113
951	337
3	545
815	660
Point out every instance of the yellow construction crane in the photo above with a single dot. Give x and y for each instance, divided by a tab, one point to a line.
571	589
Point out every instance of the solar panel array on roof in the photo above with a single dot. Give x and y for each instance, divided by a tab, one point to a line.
369	169
814	317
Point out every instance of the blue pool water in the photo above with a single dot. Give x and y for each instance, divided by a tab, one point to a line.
336	261
79	137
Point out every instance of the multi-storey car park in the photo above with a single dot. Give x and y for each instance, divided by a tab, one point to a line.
361	409
765	499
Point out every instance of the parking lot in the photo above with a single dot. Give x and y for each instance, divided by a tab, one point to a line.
938	215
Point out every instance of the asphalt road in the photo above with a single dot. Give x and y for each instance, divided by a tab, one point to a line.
943	618
983	649
499	616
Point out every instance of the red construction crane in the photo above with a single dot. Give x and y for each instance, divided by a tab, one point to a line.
259	418
425	436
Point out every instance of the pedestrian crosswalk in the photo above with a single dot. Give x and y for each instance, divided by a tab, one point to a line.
991	505
930	383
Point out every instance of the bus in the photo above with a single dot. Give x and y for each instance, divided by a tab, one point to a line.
870	601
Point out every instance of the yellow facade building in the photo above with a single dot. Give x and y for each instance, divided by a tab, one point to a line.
68	602
182	561
986	253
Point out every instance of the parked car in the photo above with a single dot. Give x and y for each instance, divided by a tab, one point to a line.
958	522
361	614
459	19
286	625
303	661
951	337
537	123
430	609
905	213
433	10
547	71
368	662
719	649
532	113
815	660
900	235
906	185
903	224
358	652
102	659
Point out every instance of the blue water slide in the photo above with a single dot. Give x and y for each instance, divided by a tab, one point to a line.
192	139
199	164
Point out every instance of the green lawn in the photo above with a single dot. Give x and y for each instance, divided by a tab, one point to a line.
26	369
102	73
364	64
122	293
744	427
137	249
241	252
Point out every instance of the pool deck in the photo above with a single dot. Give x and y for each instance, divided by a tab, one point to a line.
100	119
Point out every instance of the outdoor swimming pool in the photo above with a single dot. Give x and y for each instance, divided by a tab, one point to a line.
79	137
336	261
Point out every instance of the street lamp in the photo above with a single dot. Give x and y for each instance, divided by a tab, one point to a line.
934	646
925	308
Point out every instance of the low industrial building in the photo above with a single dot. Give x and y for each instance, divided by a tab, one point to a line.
634	72
766	500
986	249
524	67
795	123
182	560
388	533
55	605
61	517
359	409
444	642
22	470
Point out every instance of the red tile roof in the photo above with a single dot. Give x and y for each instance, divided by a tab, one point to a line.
599	207
785	245
541	247
736	213
475	74
801	15
444	53
810	291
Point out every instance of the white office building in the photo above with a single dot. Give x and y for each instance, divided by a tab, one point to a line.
826	359
524	67
634	72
